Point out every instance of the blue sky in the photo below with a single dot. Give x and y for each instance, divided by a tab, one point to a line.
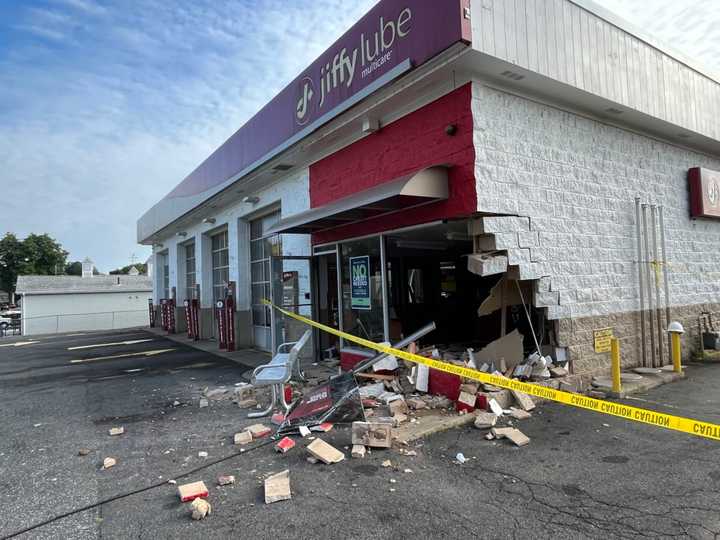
105	106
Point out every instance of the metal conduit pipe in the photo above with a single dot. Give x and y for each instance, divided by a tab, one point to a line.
656	274
664	265
646	259
638	236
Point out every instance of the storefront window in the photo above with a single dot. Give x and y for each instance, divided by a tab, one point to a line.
220	265
361	278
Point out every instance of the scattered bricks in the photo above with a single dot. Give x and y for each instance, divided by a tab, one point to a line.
203	403
247	403
466	402
200	509
225	480
519	414
569	384
558	372
470	388
189	492
398	407
597	394
109	462
518	437
117	430
285	444
387	463
244	437
244	392
495	407
325	452
486	265
399	419
258	431
525	402
322	428
83	452
484	420
503	397
515	435
416	403
277	418
358	451
277	487
373	434
216	393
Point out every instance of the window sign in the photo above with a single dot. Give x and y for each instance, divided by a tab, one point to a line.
360	282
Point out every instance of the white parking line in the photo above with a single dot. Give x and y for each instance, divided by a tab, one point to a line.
125	355
97	345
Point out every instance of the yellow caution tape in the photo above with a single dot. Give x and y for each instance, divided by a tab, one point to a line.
667	421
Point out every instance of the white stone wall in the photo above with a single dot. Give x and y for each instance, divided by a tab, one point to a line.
576	180
290	193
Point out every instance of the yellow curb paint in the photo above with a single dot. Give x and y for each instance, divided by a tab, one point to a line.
644	416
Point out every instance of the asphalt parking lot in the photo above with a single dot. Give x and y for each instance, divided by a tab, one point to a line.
583	475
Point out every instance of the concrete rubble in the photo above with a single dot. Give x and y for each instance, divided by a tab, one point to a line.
200	509
277	487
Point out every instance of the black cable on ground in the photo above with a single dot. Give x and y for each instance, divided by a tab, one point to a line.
131	493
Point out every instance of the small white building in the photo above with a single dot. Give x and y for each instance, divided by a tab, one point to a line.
53	304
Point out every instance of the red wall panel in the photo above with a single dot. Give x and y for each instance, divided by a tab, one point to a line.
412	143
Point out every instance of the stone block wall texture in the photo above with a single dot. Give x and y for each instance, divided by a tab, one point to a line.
576	180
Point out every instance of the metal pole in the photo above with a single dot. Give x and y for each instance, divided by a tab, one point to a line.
383	281
656	272
646	259
399	345
664	263
640	280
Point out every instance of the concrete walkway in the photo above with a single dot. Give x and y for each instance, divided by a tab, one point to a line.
249	358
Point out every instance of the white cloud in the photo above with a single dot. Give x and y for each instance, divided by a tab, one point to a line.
106	106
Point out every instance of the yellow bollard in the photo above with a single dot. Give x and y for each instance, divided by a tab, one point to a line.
615	356
676	330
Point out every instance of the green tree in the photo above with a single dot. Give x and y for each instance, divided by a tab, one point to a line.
38	254
74	268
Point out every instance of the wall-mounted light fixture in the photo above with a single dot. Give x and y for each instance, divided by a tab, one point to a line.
251	200
209	220
158	245
182	234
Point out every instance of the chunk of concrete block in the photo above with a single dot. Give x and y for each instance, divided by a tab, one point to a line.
519	414
398	406
277	487
485	420
326	453
487	265
358	451
109	462
193	490
244	437
225	480
374	434
117	430
526	403
558	372
258	431
466	402
200	509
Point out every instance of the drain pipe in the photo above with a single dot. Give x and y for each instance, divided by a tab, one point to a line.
664	264
656	272
640	281
646	259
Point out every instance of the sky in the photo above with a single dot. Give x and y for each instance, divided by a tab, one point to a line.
106	105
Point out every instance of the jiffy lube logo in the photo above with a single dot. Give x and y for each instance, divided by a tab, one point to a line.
713	192
371	54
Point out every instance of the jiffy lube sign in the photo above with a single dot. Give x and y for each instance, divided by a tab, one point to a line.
394	35
373	52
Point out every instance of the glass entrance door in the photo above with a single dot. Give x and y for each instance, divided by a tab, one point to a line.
291	289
